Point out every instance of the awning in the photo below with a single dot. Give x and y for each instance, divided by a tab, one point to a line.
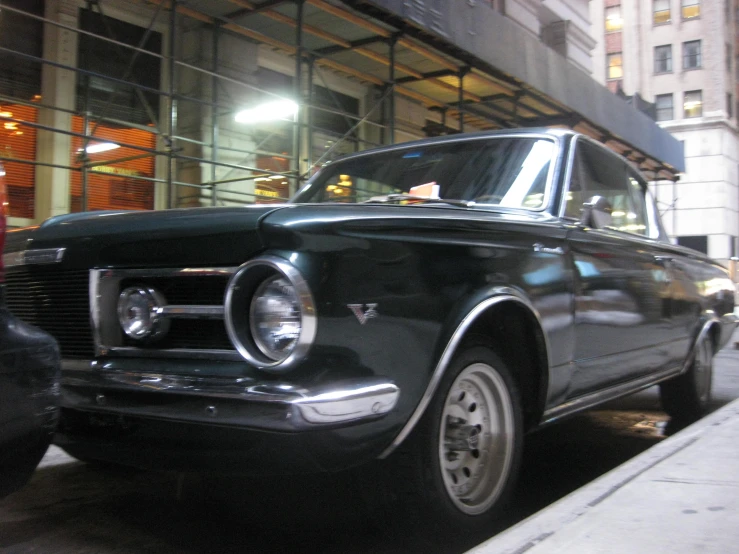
508	77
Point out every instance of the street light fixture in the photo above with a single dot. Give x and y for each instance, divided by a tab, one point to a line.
100	147
271	111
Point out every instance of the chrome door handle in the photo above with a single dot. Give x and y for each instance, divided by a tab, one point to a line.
663	259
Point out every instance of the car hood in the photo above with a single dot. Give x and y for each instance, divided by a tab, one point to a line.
229	236
198	237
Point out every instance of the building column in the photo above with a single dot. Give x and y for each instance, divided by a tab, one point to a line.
58	88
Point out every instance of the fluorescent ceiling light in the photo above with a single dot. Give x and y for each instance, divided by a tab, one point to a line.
100	147
271	111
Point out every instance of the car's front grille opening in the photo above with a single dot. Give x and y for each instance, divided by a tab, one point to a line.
57	302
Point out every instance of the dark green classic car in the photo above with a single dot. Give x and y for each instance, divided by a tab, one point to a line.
421	306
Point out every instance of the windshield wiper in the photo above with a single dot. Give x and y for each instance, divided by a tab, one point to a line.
398	197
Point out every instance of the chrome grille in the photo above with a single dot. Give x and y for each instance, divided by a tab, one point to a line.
186	291
57	302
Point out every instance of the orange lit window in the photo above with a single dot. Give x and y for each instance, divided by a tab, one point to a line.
615	66
273	187
691	9
614	22
661	11
118	175
18	142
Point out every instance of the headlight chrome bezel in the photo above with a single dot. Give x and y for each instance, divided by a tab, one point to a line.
237	311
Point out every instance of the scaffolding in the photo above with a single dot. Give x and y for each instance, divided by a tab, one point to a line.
324	39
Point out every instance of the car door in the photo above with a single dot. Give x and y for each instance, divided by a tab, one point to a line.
621	279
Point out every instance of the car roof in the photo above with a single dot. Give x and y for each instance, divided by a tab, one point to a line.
534	131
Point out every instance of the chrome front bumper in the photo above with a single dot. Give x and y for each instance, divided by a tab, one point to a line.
244	401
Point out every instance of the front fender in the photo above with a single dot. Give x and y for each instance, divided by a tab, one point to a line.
461	320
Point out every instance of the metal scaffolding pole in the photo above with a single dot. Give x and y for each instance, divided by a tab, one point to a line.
84	158
309	154
297	127
172	106
460	104
214	118
391	97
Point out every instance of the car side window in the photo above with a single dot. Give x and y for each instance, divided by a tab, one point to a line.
596	172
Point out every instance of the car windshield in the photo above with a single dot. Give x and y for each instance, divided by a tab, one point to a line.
508	171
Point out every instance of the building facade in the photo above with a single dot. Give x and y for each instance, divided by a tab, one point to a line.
137	104
680	56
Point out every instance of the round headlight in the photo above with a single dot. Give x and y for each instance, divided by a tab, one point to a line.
139	313
274	318
269	313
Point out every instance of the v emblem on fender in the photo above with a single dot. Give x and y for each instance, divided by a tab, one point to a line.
364	312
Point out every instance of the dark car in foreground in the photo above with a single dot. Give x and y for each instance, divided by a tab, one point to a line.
421	306
29	387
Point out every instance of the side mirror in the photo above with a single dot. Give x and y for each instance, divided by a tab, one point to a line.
597	213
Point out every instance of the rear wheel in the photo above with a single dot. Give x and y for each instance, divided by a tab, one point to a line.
459	466
686	397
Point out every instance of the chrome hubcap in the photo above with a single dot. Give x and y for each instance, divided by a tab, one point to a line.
703	370
476	438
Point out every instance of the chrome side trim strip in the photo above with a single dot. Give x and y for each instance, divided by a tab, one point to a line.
502	294
191	312
589	400
34	257
341	402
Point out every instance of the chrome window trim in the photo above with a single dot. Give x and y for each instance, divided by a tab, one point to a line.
553	163
307	313
502	294
566	189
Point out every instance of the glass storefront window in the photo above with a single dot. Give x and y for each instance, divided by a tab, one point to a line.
119	177
18	142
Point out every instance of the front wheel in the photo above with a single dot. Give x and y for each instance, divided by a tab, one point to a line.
459	466
477	436
686	397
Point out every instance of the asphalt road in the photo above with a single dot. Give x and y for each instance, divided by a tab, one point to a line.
72	507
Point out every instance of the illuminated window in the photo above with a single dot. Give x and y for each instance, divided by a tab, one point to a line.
663	59
691	9
693	104
615	66
664	107
692	54
614	22
661	11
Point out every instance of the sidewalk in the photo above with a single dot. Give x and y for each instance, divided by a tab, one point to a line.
680	496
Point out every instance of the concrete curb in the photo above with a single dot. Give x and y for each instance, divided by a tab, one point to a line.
555	519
